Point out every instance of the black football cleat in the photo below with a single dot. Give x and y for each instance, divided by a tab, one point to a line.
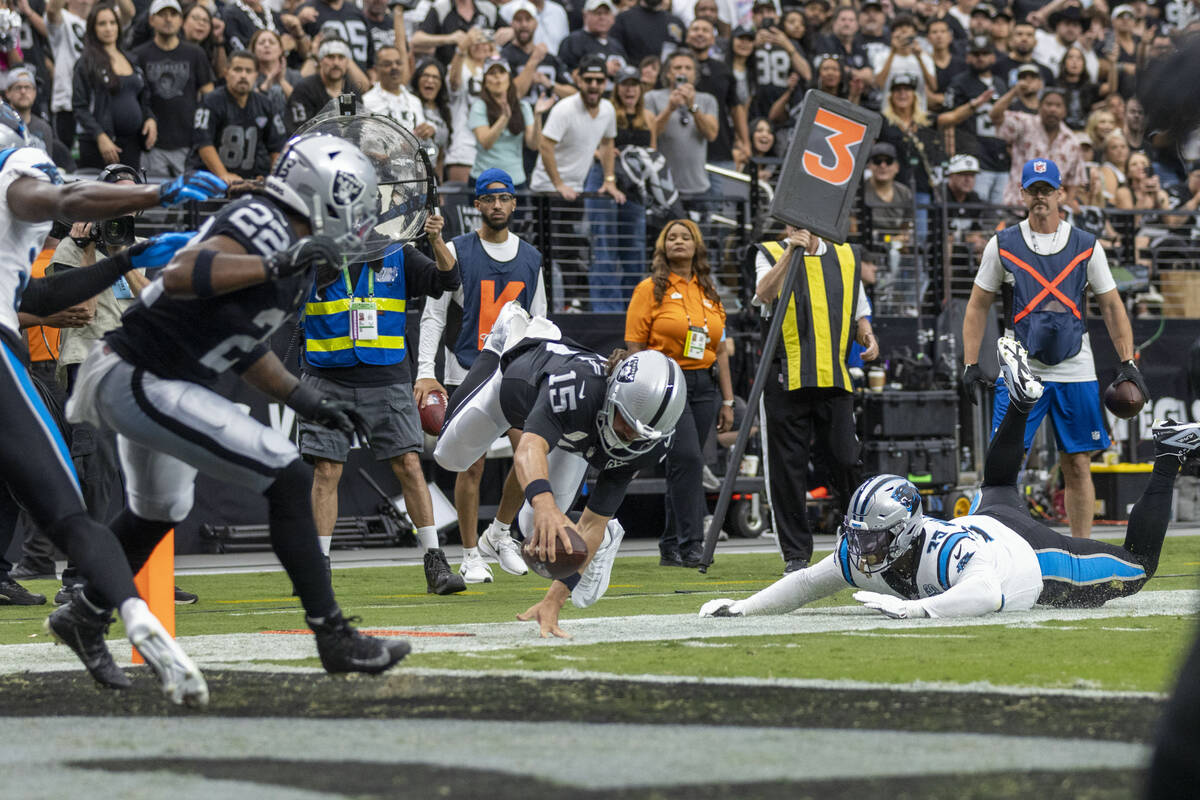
343	649
439	578
1178	439
83	630
15	594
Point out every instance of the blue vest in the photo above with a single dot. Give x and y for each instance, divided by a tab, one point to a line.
487	285
327	318
1048	295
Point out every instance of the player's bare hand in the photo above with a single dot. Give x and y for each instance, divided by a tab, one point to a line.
545	614
423	387
549	529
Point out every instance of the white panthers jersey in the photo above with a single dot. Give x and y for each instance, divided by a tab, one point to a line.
973	565
20	242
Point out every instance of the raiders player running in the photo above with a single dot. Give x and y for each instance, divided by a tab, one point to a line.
574	408
35	462
214	309
998	558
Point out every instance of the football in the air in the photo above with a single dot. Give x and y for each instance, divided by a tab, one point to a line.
564	564
433	413
1124	399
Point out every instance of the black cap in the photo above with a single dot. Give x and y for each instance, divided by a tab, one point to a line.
985	9
883	149
870	4
593	63
742	31
904	79
822	2
1068	14
1003	12
980	44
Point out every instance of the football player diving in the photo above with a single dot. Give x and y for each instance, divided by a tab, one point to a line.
214	309
35	461
575	408
998	558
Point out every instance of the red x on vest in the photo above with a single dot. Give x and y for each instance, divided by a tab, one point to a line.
1050	287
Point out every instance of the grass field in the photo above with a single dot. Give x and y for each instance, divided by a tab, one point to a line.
648	699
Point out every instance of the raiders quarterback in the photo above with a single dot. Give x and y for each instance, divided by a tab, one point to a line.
213	309
997	558
35	462
575	408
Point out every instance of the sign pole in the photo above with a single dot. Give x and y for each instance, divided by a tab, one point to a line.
156	584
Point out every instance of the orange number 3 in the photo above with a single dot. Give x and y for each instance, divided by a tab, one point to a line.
844	134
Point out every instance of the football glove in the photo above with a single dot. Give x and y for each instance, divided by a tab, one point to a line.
973	376
722	607
199	185
894	607
320	252
324	410
1129	372
159	250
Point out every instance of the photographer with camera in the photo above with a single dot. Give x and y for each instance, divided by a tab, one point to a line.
685	121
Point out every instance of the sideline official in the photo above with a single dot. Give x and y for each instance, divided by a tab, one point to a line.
1044	267
355	349
497	267
810	399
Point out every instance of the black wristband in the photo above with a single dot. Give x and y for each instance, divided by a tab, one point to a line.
202	273
537	486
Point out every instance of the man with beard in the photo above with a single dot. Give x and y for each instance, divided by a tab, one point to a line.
497	267
536	71
1043	135
1067	25
178	74
1020	52
313	93
237	134
647	29
598	19
551	18
1022	260
968	99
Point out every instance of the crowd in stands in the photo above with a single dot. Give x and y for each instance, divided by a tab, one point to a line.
564	97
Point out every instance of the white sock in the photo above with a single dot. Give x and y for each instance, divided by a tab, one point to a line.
326	543
470	552
133	605
498	530
428	537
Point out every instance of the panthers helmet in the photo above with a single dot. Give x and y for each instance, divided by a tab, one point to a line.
647	390
331	183
883	519
13	132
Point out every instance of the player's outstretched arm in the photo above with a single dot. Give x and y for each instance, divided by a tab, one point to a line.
221	265
34	200
786	594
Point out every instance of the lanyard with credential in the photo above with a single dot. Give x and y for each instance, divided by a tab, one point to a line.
364	318
697	338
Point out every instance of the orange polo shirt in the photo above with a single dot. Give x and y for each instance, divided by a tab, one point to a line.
38	350
664	326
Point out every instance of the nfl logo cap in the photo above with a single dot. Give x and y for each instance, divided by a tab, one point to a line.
1040	170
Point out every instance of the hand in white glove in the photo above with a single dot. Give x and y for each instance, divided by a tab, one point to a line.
722	607
893	607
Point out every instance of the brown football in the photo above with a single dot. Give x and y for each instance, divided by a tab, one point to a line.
564	564
433	413
1124	399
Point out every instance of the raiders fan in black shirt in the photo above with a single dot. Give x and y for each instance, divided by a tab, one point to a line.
351	26
175	77
246	138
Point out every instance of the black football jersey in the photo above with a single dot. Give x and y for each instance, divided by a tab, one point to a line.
351	25
243	137
556	390
198	339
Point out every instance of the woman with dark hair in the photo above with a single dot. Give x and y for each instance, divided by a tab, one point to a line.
502	122
207	32
1080	92
429	85
738	57
677	311
110	97
275	77
762	145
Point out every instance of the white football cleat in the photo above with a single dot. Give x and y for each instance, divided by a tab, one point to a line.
505	550
721	607
1023	386
594	581
474	569
182	682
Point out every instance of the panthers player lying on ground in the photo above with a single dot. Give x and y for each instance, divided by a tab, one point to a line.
575	408
996	559
35	462
213	309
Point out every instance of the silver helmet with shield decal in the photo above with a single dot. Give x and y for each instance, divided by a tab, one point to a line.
330	182
882	521
644	400
13	132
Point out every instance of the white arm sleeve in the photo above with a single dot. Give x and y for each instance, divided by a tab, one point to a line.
538	306
976	593
433	325
1100	277
792	591
991	275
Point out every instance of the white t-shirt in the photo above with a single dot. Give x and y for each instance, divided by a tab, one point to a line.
577	134
1050	51
992	275
906	65
762	266
433	317
404	107
66	43
20	241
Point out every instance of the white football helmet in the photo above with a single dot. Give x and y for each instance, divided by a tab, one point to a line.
330	182
13	132
647	390
883	519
